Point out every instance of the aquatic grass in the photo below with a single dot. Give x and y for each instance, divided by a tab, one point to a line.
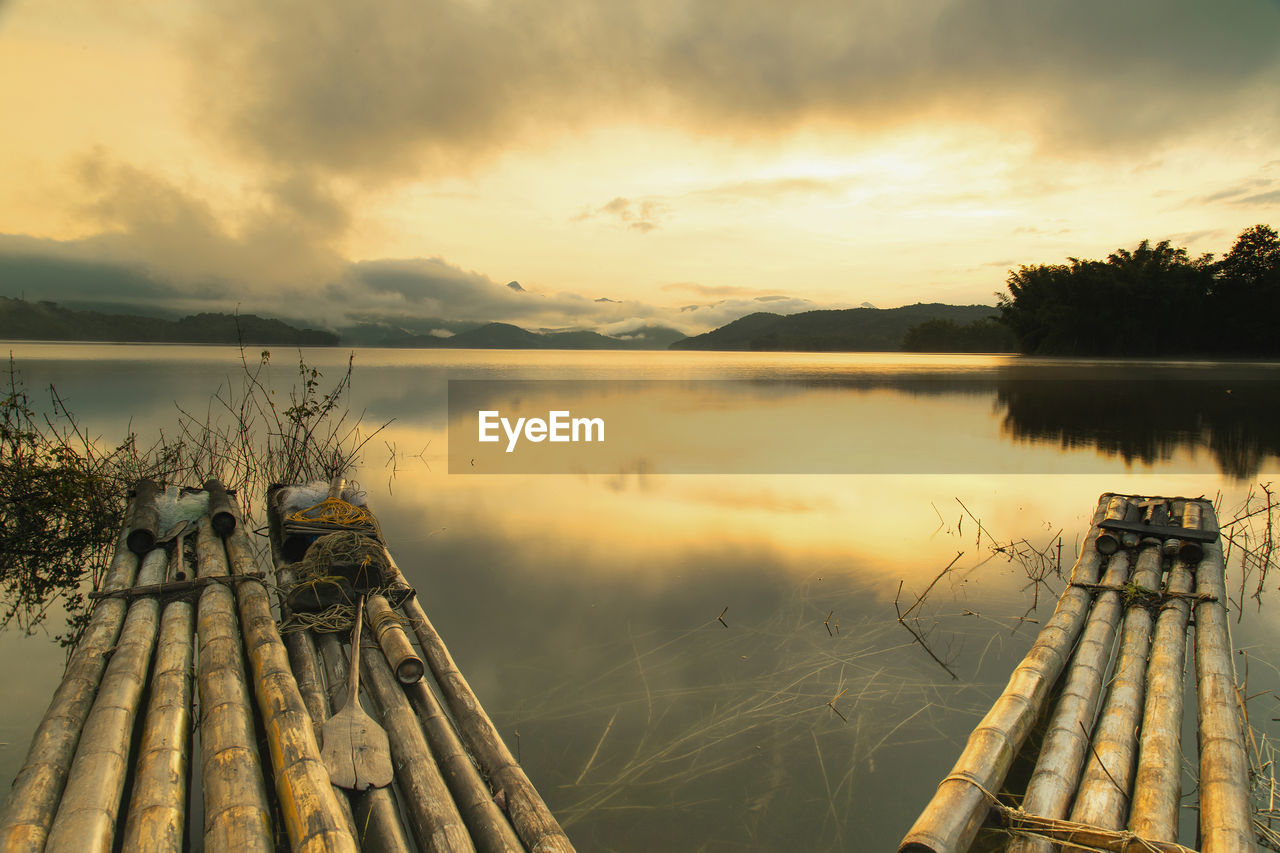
778	709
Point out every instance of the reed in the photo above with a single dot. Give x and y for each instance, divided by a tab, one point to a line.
953	817
33	798
1225	815
534	824
1066	742
308	806
158	805
1157	787
436	823
1103	798
236	814
1082	836
86	819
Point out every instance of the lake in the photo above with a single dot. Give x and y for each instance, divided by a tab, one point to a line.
690	639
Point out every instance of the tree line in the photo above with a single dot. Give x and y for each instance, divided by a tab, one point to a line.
1156	300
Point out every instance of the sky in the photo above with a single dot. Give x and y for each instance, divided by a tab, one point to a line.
627	162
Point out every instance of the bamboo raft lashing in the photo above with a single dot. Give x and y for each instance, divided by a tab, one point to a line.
1121	778
127	699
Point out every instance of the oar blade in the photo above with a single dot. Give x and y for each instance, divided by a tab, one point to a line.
356	751
372	754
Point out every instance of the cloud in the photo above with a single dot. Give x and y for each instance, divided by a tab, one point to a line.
1243	193
287	238
415	293
710	290
643	215
395	87
1270	197
774	190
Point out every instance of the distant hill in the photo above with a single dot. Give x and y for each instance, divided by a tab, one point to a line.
47	321
22	320
507	336
848	330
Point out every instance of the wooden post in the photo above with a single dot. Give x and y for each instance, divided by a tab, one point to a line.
158	806
1226	821
307	802
236	814
955	814
86	819
434	817
33	799
1066	743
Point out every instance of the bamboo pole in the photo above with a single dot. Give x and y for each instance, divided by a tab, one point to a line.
224	513
537	828
304	660
1189	550
158	807
1108	541
308	805
1066	742
377	815
1225	816
86	819
33	798
146	519
490	829
236	814
1157	786
1105	785
952	818
433	816
386	628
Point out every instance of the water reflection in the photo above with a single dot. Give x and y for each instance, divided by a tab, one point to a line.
583	608
1150	419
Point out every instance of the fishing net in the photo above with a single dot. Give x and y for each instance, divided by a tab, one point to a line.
332	514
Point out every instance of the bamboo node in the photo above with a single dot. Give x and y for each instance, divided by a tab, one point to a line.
963	776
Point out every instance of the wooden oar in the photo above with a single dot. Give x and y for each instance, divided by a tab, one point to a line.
356	751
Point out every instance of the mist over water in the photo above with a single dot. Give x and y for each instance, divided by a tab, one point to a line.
583	607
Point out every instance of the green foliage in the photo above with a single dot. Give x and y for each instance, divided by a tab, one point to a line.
62	497
985	335
1153	301
61	504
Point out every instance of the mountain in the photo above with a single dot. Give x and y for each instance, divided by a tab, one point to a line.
847	330
22	320
507	336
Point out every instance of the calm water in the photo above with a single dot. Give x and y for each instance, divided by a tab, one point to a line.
583	607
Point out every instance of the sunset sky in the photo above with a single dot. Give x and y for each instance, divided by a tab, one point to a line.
626	161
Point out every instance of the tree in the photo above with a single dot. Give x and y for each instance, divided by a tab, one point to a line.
1254	260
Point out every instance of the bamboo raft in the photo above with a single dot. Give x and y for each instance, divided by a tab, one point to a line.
1109	771
119	761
